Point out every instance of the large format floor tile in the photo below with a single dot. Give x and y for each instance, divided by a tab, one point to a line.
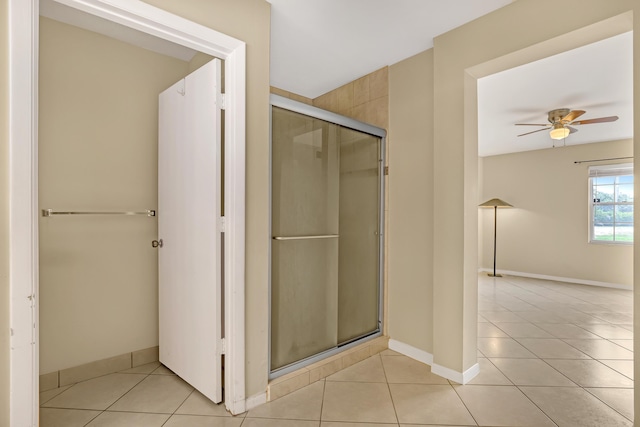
501	406
489	374
590	373
567	330
123	419
334	424
406	370
601	349
574	407
625	367
358	402
620	399
46	396
304	404
369	371
523	330
258	422
531	372
98	393
503	347
609	331
197	404
157	394
54	417
502	316
552	348
489	330
549	354
445	407
204	421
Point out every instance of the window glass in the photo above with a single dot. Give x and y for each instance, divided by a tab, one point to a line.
611	202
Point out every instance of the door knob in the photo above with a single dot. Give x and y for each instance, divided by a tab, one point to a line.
156	243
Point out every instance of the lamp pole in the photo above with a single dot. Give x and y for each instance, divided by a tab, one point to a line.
495	240
495	204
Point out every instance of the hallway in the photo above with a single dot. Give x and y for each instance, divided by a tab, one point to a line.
550	354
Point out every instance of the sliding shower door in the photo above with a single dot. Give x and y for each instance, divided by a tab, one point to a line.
325	222
359	219
304	251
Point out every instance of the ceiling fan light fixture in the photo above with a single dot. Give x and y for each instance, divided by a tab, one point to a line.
559	131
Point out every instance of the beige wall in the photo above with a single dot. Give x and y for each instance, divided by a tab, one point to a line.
249	21
98	108
410	236
511	29
547	233
4	216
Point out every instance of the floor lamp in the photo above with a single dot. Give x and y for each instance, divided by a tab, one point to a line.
495	204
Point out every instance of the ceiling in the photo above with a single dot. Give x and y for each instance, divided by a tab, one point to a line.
314	50
597	78
319	45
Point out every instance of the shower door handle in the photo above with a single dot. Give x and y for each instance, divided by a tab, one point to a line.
323	236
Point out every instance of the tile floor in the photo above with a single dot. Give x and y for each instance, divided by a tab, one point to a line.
550	354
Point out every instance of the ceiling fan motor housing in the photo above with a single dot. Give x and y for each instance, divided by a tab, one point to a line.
557	115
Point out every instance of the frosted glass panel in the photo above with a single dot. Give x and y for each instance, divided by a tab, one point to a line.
305	175
304	300
304	278
358	288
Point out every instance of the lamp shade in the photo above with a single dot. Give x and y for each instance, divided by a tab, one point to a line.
495	203
559	133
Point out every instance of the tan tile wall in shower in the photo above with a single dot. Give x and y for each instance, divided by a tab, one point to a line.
291	95
365	99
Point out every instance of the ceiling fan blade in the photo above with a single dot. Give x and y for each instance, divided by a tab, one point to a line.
571	130
572	116
531	124
598	120
539	130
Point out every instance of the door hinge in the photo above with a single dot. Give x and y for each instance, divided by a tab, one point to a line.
223	346
386	170
221	101
181	87
223	224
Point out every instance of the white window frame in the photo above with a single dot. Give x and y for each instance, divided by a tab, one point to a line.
23	187
619	169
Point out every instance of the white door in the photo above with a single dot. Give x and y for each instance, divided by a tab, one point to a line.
189	228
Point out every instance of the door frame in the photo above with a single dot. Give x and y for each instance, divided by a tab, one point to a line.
23	186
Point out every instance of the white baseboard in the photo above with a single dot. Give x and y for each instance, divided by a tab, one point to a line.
426	357
560	279
410	351
459	377
256	400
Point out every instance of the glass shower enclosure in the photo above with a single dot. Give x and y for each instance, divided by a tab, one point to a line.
327	212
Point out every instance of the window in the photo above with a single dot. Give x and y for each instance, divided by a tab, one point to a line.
611	203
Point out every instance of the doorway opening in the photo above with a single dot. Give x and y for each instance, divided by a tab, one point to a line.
24	191
517	222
